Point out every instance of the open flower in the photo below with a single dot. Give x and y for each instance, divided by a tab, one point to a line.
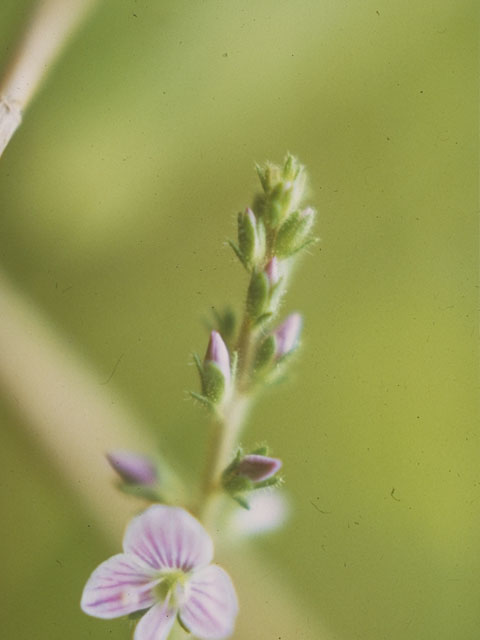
165	568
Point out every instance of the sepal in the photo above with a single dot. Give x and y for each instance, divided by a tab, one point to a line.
258	294
225	323
251	239
265	353
293	235
265	291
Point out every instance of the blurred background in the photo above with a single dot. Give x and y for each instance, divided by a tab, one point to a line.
116	197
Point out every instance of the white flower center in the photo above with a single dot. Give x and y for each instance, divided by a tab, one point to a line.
172	587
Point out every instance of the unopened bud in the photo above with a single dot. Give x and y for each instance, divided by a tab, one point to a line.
257	468
272	271
251	238
294	232
288	334
217	353
264	291
216	369
250	472
284	190
133	468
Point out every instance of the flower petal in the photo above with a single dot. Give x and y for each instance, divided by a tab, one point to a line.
156	623
168	538
117	587
211	606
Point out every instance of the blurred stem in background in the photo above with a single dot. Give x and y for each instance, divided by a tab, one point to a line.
47	32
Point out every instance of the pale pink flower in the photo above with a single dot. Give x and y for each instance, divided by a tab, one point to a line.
165	568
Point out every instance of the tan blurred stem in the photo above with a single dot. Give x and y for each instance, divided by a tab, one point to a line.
47	32
75	418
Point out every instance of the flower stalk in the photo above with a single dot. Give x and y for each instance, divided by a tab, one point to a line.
269	264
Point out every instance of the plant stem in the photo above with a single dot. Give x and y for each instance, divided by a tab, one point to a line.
226	425
47	32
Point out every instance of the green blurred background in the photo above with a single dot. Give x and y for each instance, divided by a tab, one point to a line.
116	196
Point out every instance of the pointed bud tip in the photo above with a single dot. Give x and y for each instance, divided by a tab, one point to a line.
217	353
288	334
133	468
258	467
272	271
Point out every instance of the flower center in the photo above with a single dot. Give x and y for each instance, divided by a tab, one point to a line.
172	587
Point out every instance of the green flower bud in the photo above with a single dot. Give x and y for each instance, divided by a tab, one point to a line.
293	234
251	238
284	189
215	372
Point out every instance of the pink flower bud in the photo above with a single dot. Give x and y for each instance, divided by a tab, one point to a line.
133	468
258	468
272	271
217	353
287	334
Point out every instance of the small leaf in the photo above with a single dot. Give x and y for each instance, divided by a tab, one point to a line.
198	364
261	451
241	501
238	253
225	323
213	382
202	399
247	236
265	353
263	318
